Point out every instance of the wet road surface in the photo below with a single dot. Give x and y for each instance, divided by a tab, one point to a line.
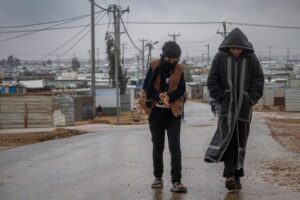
114	162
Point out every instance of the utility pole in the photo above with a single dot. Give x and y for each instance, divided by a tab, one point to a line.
174	36
150	47
207	54
117	15
98	61
90	58
270	54
143	56
138	69
93	92
224	33
123	58
116	47
202	59
287	57
224	27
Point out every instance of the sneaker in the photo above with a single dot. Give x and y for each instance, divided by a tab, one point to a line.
230	183
157	183
178	187
238	183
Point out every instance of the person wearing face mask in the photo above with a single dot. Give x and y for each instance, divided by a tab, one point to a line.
236	83
164	89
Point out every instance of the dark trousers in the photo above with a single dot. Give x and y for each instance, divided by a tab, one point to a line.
230	160
157	128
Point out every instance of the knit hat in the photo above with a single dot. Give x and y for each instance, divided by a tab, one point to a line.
171	49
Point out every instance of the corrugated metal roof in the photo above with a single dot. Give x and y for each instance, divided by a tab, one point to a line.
33	83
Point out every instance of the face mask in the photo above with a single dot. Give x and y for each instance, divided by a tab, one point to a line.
170	66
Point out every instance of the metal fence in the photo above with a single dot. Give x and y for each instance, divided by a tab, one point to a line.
65	103
292	99
26	111
83	108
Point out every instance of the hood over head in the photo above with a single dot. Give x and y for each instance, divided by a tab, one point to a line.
236	38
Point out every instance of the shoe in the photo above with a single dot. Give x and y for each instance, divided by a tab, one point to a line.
230	183
238	183
157	183
179	188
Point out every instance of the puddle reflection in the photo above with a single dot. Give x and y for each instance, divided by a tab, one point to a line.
177	196
157	194
234	195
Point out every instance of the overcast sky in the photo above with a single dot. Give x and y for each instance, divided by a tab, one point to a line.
193	38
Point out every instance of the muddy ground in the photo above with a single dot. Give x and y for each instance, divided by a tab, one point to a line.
12	140
285	128
8	141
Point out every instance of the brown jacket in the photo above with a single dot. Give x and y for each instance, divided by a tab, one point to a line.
177	105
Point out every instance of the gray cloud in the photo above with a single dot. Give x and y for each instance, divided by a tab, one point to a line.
276	12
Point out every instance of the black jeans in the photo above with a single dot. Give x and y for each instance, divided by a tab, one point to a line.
157	128
230	160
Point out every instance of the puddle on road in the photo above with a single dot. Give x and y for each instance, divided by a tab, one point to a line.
233	195
159	195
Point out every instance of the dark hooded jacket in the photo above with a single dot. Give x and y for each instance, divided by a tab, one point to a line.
236	84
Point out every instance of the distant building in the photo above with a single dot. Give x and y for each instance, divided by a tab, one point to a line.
33	83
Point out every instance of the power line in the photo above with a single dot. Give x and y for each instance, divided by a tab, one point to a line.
98	6
43	23
224	33
170	23
164	23
50	29
264	25
174	36
32	32
235	23
129	35
67	42
68	50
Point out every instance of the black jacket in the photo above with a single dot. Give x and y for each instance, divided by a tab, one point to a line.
236	85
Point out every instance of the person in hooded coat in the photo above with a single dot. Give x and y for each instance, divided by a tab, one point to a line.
164	89
236	83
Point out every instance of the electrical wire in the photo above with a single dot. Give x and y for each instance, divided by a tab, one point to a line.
235	23
32	32
170	23
68	50
50	29
67	42
98	6
164	23
44	23
129	35
264	25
